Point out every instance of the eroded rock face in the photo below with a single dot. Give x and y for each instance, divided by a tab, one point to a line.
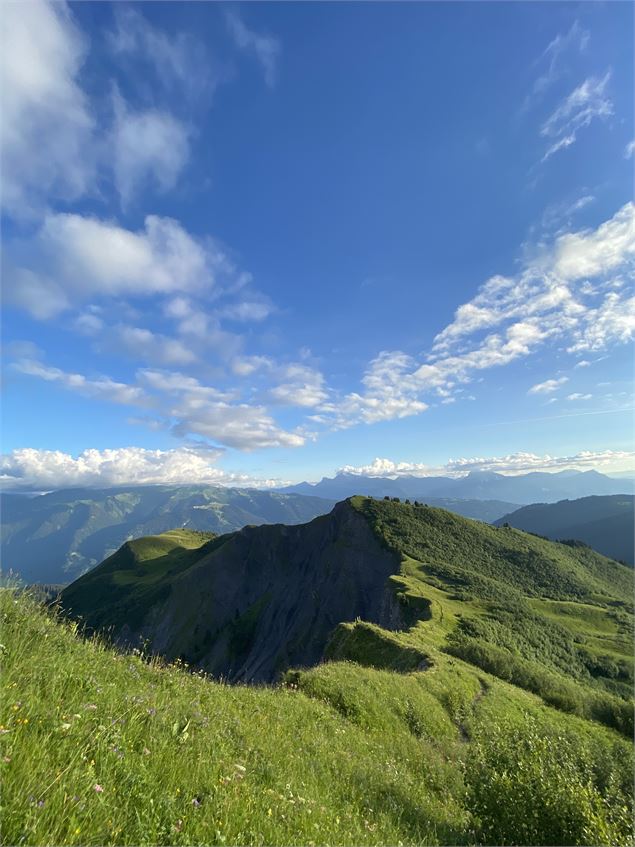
268	598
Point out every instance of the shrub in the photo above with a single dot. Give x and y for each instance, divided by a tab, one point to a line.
525	787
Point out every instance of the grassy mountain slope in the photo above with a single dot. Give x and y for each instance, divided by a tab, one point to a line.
56	537
386	585
605	523
104	748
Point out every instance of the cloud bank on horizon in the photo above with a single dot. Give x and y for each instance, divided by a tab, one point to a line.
133	320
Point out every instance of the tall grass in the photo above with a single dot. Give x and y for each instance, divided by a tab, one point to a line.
106	748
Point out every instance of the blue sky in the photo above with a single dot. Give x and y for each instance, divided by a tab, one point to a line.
263	242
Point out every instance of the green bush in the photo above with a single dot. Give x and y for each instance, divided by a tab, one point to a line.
528	787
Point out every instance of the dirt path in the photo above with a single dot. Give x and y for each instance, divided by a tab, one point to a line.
464	735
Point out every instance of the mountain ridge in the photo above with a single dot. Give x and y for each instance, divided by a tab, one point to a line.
605	523
56	537
523	489
373	578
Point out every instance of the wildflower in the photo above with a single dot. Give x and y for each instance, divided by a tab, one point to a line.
91	707
6	759
98	788
196	802
146	752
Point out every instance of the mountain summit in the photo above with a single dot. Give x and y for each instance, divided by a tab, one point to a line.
381	583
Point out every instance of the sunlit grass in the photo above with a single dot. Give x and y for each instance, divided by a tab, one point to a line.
105	748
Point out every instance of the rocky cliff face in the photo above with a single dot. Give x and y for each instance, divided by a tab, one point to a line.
264	598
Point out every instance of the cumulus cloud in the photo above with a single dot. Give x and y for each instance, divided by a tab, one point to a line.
150	148
390	392
629	150
178	402
197	409
51	145
47	124
88	258
265	48
585	104
41	470
301	386
387	468
545	286
513	463
570	292
549	386
591	253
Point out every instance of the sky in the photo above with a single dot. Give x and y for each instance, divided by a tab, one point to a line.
260	243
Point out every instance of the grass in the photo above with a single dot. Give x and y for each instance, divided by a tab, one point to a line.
107	748
550	618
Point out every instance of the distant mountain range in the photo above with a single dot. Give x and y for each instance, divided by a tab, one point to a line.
250	604
527	488
56	537
605	523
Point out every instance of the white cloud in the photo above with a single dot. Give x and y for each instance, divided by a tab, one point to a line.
197	409
544	288
549	386
248	310
591	253
558	217
248	365
101	388
549	300
179	60
301	386
265	48
88	258
149	148
149	346
585	103
612	322
41	470
391	392
46	142
178	401
88	323
387	468
576	37
629	150
511	464
578	396
583	363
